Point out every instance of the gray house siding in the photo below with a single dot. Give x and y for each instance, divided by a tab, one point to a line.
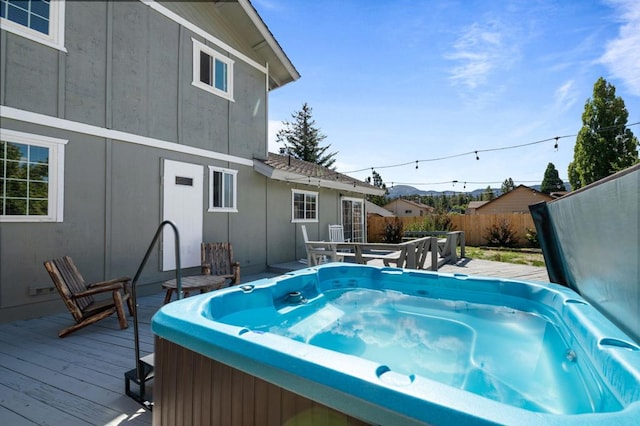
123	98
127	68
26	86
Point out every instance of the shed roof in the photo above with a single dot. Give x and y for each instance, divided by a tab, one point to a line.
410	202
476	204
372	208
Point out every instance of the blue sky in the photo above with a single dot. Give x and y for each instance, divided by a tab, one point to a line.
394	82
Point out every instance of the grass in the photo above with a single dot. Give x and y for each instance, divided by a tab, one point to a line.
520	257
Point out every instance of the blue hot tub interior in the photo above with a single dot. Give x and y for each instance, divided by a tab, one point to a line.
525	346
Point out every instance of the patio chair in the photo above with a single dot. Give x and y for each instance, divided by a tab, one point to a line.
319	251
336	234
78	296
218	257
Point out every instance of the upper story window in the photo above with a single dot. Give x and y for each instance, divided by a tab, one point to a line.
222	189
31	177
38	20
212	71
304	206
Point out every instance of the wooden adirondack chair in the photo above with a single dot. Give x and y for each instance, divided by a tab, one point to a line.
78	296
219	258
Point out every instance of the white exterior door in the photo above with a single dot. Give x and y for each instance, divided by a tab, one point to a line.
183	205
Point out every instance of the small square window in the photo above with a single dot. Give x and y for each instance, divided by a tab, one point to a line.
212	71
304	206
38	20
222	189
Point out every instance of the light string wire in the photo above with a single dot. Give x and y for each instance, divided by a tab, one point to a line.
476	152
447	157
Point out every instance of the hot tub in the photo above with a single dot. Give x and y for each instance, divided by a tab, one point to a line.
392	346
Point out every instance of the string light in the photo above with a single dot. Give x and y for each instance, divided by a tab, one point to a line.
476	152
466	182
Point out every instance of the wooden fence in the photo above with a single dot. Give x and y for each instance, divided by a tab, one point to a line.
474	226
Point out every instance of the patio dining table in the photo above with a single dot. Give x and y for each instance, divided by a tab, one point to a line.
410	254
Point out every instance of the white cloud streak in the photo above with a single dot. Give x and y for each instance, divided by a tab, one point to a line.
479	50
565	96
622	54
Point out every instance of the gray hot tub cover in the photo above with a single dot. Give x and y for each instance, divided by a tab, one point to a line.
590	242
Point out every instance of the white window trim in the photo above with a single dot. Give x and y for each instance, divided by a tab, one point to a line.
200	47
234	173
56	174
293	209
54	39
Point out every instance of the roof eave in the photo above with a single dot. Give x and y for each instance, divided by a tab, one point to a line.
273	44
289	177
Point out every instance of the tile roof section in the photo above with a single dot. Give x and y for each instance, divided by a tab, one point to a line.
290	169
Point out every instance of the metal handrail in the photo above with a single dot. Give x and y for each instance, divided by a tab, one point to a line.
139	368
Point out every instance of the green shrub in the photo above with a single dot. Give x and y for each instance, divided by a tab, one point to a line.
532	237
501	235
393	232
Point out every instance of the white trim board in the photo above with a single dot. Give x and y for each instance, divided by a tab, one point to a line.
202	33
88	129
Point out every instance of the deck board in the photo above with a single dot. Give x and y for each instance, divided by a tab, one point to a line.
79	380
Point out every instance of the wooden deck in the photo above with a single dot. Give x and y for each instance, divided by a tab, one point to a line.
79	380
486	268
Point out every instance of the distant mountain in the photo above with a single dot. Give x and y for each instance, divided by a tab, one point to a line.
407	190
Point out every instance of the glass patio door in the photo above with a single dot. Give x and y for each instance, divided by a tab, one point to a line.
353	219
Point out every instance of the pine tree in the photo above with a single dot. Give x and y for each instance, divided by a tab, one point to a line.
507	186
376	180
488	194
551	181
604	144
302	138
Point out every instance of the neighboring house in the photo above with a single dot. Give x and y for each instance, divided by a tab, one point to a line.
375	210
401	207
115	116
473	207
517	200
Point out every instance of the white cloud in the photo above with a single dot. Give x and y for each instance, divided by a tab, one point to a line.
479	50
622	55
565	96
